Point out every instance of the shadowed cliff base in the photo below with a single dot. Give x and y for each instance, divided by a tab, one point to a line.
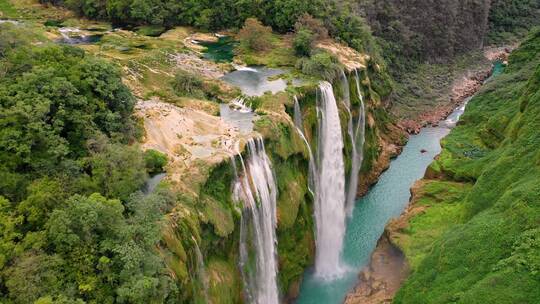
381	279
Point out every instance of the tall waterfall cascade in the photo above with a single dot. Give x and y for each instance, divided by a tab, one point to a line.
255	186
330	188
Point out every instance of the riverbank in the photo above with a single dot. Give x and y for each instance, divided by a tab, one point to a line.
443	93
379	282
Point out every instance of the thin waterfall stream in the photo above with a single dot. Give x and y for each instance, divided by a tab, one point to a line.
201	270
312	175
255	186
356	133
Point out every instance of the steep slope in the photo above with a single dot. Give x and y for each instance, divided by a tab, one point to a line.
475	235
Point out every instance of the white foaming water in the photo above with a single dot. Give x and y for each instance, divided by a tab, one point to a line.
240	104
330	188
297	115
257	189
67	33
357	134
244	68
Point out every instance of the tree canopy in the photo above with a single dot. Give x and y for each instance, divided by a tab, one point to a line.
74	226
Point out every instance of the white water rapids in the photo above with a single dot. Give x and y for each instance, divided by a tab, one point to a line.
256	188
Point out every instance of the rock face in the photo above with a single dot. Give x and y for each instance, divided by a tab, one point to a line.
381	279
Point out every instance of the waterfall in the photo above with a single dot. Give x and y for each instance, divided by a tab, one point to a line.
345	90
257	189
297	115
357	136
330	188
201	270
312	166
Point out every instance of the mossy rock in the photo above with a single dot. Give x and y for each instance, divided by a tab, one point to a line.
292	186
224	284
219	216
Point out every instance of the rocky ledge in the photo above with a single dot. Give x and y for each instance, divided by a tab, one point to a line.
379	282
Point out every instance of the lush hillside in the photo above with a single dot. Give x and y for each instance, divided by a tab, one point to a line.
74	224
511	19
477	237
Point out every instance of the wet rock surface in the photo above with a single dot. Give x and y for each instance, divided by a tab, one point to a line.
381	279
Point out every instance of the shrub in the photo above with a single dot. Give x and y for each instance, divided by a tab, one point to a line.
254	35
187	84
303	42
322	65
154	161
315	26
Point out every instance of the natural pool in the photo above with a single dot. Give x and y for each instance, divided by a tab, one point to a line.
219	51
73	36
255	81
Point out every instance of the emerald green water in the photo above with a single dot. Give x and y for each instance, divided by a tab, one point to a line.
384	201
220	51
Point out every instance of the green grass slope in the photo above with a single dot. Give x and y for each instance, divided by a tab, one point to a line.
491	254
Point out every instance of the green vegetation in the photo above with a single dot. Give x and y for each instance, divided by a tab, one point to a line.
441	204
187	84
426	86
255	36
322	65
303	42
154	161
337	16
308	31
75	228
512	19
488	248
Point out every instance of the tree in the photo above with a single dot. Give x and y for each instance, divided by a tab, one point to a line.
314	25
155	161
255	36
303	42
322	65
118	171
187	84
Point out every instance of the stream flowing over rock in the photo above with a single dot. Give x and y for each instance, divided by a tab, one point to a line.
312	176
256	187
357	135
330	188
